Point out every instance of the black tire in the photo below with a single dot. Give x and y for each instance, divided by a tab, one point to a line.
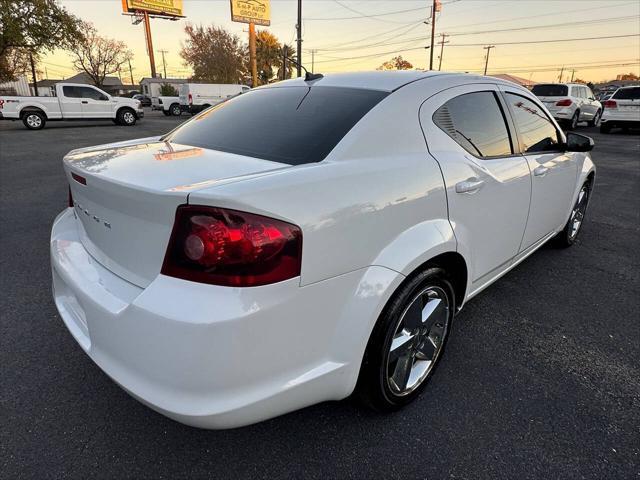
568	235
175	110
126	117
374	387
34	120
115	121
605	128
596	119
573	123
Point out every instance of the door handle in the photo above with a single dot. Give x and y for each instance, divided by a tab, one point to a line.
84	101
471	185
541	171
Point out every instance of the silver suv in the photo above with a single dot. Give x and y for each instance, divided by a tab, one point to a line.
570	103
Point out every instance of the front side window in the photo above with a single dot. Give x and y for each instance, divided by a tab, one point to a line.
537	132
476	122
86	92
292	125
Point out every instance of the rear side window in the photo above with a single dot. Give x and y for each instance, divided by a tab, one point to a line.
70	92
537	133
293	125
632	93
550	90
476	122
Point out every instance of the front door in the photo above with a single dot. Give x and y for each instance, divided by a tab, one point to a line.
488	184
95	103
553	170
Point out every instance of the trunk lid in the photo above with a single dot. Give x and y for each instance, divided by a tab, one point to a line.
125	197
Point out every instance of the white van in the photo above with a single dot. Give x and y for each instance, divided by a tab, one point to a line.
195	97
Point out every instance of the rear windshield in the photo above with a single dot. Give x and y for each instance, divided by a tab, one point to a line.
550	90
293	125
632	93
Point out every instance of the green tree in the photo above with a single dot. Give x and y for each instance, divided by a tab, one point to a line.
99	56
33	26
214	54
167	90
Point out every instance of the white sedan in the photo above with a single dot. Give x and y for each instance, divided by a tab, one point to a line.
309	239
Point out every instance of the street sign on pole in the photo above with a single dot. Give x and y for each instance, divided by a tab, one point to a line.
257	12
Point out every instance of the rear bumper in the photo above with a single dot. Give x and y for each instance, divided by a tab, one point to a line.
218	357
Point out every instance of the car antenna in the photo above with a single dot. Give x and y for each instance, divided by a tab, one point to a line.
308	77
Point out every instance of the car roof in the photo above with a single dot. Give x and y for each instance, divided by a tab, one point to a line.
387	81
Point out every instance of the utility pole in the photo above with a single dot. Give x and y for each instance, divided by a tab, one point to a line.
252	55
130	72
573	72
433	31
164	65
486	63
299	30
442	42
33	73
313	59
561	73
285	51
147	34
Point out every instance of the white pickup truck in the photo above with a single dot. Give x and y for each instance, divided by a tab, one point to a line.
168	105
72	102
195	97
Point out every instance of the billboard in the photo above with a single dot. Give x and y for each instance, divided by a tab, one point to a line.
251	11
172	8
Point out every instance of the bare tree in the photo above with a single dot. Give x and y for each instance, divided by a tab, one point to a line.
99	56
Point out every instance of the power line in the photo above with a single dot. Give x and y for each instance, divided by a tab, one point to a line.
374	15
538	27
546	41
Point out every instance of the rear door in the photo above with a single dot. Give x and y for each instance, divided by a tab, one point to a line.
554	171
71	102
488	184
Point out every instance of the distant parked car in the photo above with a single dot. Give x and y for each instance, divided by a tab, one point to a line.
570	103
167	105
195	97
72	102
144	100
622	109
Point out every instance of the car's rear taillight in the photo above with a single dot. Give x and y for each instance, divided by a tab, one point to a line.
70	198
231	248
190	99
564	103
610	104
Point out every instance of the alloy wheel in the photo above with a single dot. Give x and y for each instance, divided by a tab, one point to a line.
578	212
417	341
34	121
128	118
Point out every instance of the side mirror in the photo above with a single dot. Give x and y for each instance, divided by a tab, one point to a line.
104	98
579	143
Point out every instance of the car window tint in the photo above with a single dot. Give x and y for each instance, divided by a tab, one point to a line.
293	125
70	92
550	90
476	122
627	94
537	133
86	92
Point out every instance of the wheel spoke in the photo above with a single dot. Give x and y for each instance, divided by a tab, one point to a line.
433	311
401	345
402	372
427	349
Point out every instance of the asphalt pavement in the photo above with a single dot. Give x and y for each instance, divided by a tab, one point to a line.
541	378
